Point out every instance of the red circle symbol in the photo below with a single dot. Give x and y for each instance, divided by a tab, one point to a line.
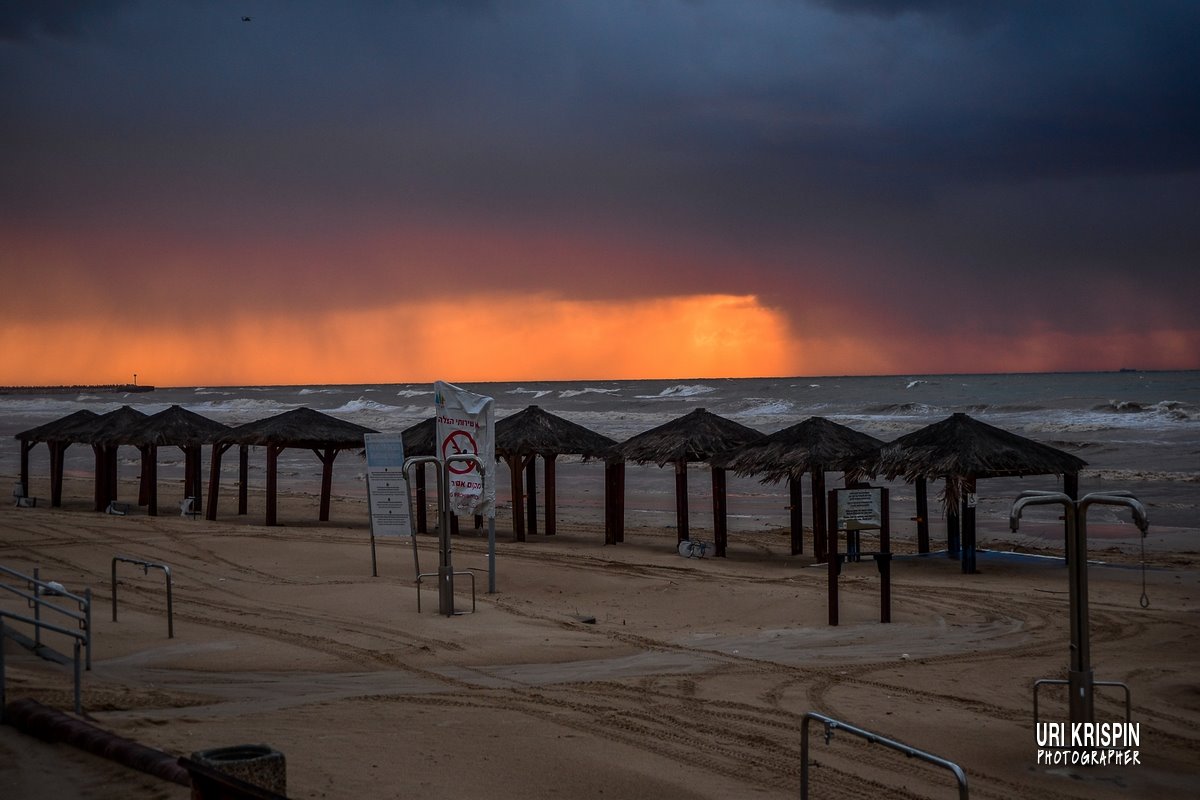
460	443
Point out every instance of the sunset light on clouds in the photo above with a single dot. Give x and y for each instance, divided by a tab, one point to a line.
402	192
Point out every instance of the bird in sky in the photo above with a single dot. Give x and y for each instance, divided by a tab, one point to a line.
245	19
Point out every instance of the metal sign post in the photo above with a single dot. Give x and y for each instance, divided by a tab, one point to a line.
445	567
1080	683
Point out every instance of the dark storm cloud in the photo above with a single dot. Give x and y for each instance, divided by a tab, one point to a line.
927	151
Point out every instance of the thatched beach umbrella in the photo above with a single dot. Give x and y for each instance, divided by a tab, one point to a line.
326	436
178	427
533	432
104	435
816	446
58	436
697	436
962	450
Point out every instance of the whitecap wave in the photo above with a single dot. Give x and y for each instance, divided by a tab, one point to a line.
682	390
413	392
361	405
535	392
586	390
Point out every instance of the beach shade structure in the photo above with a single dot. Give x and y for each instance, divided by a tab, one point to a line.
173	427
301	427
533	432
961	450
104	434
815	446
421	440
58	436
694	437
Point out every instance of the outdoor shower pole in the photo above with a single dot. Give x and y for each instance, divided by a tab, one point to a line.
1080	682
445	567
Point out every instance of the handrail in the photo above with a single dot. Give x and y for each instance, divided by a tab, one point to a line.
832	724
36	600
76	635
146	567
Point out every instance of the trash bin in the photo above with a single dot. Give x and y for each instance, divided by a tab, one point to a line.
255	764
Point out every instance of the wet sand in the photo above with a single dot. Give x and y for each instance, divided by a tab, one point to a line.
624	671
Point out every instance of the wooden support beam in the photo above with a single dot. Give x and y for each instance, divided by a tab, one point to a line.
551	503
530	463
720	511
681	500
214	480
620	500
58	453
968	524
922	488
243	480
514	471
273	451
796	513
149	497
327	457
610	511
821	531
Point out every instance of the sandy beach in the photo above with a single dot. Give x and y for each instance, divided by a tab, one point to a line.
624	671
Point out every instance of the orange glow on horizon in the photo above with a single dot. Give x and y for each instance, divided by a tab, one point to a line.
470	339
510	338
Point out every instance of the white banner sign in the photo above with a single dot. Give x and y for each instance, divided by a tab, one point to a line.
466	426
859	509
386	488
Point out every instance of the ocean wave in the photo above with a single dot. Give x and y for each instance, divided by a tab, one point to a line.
311	390
537	393
912	384
413	392
362	405
243	409
201	390
763	407
565	393
903	409
682	390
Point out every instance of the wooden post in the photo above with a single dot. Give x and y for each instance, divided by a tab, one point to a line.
720	511
150	479
214	480
144	477
25	448
831	557
681	500
514	471
922	489
884	562
551	502
952	531
327	458
195	454
58	453
796	513
620	501
610	523
821	532
272	483
101	479
243	480
968	526
531	494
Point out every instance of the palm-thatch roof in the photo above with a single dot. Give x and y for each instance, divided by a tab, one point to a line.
534	431
961	448
420	439
300	427
174	426
815	443
108	429
693	437
62	429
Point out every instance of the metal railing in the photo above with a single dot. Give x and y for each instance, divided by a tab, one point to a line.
146	567
35	592
832	725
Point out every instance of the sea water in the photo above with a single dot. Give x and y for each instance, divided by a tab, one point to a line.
1138	431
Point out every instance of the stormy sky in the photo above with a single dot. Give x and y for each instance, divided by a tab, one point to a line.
360	191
